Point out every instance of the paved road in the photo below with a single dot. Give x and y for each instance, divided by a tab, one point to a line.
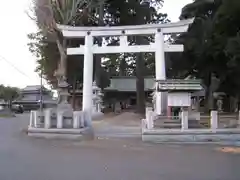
24	158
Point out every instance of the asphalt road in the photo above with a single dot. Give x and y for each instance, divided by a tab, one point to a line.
25	158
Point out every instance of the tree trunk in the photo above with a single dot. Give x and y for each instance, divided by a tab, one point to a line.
63	56
10	104
122	69
74	93
140	84
209	99
238	103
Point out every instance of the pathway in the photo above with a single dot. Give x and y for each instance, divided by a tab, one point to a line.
25	158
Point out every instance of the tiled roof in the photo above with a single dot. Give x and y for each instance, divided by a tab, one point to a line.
33	88
129	84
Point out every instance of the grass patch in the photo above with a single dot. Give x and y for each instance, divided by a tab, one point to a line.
7	115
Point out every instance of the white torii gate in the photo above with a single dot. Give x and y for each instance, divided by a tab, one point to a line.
158	47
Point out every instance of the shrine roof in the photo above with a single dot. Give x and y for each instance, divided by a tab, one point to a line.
180	85
128	84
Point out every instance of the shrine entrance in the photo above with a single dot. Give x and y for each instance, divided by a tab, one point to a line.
159	47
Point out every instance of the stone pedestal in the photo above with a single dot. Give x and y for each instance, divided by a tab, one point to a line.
47	120
96	102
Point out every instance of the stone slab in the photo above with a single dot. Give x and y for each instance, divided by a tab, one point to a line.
77	134
57	136
190	131
221	137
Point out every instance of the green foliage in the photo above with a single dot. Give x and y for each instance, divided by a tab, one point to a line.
212	44
132	12
47	45
47	56
115	13
8	93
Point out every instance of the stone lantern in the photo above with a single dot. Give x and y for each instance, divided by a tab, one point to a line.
96	100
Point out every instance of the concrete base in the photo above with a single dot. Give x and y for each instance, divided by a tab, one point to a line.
74	134
219	136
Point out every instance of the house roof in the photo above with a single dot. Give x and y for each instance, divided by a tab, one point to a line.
34	88
2	102
180	85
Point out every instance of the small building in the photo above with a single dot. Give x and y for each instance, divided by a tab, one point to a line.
179	92
30	98
121	89
3	104
124	88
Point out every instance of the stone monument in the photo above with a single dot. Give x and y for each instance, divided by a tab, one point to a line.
96	101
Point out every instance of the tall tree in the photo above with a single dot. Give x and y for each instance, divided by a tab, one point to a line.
211	45
138	12
8	94
113	12
47	14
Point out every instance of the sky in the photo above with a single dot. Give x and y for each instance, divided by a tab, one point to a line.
17	64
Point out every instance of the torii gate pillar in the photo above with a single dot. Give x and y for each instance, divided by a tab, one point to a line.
87	74
160	72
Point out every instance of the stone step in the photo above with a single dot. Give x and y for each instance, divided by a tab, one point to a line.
168	126
177	124
169	121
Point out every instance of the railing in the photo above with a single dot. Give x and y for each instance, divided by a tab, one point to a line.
79	119
184	122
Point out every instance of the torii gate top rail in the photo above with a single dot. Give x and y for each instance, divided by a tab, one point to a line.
123	32
167	28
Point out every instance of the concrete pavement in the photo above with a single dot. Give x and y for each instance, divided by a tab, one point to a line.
25	158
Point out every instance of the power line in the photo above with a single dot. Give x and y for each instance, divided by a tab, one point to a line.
12	65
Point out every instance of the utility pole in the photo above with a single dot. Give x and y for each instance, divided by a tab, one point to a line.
41	93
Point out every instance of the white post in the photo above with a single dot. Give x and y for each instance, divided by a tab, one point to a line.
160	57
160	71
87	118
123	41
149	117
82	124
184	120
31	123
60	119
238	118
76	119
36	115
214	119
47	119
151	120
88	74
